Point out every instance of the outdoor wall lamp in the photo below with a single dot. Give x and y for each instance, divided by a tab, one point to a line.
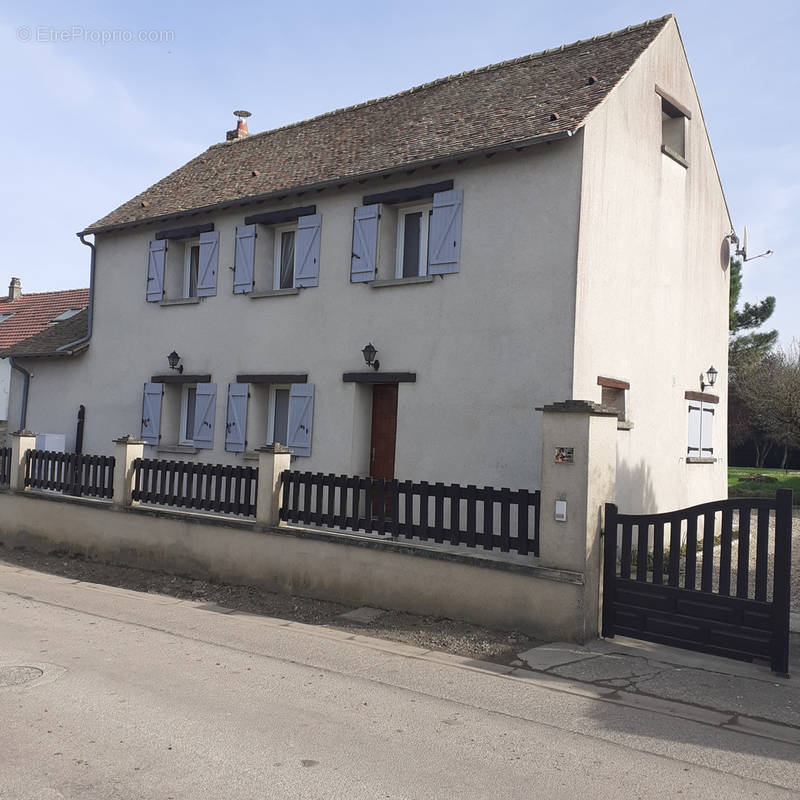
173	359
711	376
369	353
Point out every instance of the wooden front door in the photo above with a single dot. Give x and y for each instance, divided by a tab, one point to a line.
384	430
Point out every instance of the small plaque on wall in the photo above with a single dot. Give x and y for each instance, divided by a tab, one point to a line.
565	455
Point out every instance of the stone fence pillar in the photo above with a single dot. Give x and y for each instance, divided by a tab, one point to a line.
126	450
21	442
273	459
579	467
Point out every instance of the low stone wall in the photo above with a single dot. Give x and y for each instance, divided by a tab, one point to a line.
544	602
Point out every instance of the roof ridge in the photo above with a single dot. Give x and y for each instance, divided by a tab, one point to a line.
39	294
443	80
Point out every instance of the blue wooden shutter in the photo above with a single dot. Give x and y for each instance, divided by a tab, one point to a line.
706	427
445	232
301	417
365	244
694	430
156	257
306	250
236	424
151	413
205	409
207	264
244	259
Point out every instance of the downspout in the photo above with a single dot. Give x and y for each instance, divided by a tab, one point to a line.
26	382
83	339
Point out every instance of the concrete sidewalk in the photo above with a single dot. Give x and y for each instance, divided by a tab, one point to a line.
748	695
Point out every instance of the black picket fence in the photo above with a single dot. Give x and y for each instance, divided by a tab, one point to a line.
5	465
489	518
80	475
207	487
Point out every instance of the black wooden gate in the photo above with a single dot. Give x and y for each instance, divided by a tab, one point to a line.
717	588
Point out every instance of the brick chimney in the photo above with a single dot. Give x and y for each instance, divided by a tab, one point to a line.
240	131
14	289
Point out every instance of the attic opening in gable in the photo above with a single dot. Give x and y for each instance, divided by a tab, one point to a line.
674	119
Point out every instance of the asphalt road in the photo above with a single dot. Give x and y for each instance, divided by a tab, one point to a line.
127	695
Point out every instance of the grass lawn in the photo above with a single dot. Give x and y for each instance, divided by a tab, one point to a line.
753	482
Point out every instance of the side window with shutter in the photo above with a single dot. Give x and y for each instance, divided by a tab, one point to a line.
236	422
156	258
701	426
301	418
244	259
365	244
151	413
205	410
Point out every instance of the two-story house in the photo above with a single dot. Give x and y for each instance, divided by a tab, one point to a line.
547	228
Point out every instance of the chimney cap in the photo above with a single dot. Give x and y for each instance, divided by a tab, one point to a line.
242	114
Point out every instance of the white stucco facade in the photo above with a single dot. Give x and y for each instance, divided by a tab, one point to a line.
595	255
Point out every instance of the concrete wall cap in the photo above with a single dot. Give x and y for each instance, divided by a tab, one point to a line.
129	439
273	448
23	432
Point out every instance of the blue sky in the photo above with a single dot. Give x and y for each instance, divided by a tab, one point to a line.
89	124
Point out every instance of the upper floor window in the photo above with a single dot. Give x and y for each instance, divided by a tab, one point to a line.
277	251
407	233
674	121
182	264
412	241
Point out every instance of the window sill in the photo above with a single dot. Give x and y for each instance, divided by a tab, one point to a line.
183	301
668	151
186	449
273	293
401	281
704	460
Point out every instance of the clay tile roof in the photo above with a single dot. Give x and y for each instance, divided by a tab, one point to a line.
31	313
547	93
47	341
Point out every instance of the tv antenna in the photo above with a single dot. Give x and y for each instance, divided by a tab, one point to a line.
741	247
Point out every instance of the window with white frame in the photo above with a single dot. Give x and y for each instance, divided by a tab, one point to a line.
262	411
191	264
277	257
183	267
407	234
283	258
188	411
278	415
413	224
179	414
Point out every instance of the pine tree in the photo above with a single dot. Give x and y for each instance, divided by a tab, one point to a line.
747	349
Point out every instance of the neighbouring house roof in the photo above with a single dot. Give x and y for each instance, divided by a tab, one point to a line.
535	96
46	342
32	313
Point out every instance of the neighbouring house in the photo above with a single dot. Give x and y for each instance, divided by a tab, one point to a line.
548	228
23	316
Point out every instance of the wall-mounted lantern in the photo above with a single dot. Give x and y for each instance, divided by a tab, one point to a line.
369	353
709	379
173	359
